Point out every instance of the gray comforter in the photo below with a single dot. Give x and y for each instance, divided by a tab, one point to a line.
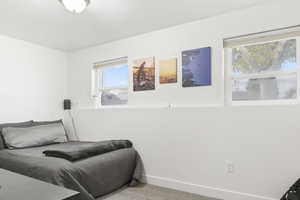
92	177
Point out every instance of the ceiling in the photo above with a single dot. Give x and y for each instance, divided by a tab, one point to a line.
47	23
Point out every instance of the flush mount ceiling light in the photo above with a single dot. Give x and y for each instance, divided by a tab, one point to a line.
75	6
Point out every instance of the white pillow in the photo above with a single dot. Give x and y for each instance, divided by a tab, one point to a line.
16	138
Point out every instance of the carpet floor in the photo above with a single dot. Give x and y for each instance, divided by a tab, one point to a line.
151	192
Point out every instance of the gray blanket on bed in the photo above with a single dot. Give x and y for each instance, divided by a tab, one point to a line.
88	150
92	177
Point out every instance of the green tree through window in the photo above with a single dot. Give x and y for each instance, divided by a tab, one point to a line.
264	57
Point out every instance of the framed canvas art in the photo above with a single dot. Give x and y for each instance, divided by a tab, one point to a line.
144	74
168	71
196	67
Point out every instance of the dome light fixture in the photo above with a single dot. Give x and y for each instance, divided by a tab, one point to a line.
75	6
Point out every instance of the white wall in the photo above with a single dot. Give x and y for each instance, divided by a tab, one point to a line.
33	81
188	148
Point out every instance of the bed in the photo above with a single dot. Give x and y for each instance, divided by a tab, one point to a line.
92	177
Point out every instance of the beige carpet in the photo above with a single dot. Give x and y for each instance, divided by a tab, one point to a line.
150	192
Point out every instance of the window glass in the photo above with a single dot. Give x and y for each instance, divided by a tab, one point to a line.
264	71
271	56
284	87
114	96
115	76
111	82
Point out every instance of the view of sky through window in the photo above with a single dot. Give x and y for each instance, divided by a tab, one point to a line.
115	76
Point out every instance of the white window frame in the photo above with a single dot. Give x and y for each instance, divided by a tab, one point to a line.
97	79
230	77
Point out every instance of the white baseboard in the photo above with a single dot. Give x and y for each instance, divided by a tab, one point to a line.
203	190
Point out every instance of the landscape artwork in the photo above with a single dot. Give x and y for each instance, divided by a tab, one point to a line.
168	71
144	74
196	67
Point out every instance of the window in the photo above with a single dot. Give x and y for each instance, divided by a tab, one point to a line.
110	82
262	69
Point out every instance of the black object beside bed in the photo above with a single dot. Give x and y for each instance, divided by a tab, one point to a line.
94	176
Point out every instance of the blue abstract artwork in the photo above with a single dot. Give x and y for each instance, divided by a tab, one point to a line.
196	67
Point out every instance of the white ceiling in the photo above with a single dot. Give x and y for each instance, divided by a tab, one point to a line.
45	22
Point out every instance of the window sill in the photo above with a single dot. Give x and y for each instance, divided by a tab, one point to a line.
166	106
264	102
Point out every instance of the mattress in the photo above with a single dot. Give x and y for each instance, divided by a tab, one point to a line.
92	177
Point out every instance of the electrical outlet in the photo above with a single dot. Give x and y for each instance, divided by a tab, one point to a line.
230	168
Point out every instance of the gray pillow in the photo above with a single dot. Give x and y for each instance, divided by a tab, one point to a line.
17	138
20	124
38	123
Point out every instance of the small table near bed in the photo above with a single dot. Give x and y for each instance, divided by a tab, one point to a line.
18	187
